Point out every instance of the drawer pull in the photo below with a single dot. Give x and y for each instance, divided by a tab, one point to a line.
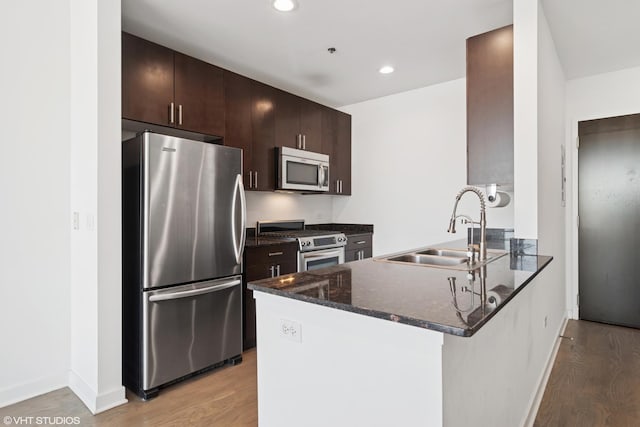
361	242
275	253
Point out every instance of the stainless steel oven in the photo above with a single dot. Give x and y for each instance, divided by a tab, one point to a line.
316	248
320	258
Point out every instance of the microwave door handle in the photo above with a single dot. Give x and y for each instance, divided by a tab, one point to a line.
320	175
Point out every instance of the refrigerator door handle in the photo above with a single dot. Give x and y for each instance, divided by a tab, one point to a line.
193	292
238	247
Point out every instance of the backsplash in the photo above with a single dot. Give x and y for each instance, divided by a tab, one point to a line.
315	208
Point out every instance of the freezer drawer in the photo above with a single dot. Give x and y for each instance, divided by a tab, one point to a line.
190	327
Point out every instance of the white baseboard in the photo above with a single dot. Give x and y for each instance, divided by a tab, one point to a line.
94	402
537	399
18	393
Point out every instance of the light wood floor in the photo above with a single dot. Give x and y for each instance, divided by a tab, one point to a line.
224	397
595	380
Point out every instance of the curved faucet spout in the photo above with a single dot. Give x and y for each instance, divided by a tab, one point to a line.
483	219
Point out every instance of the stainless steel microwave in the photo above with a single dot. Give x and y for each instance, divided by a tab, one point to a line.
301	170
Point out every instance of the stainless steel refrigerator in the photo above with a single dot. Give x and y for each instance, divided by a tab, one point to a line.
184	219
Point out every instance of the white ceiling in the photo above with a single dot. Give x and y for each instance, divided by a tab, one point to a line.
595	36
423	39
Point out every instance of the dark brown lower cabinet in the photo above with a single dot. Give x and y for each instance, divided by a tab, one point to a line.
359	246
263	262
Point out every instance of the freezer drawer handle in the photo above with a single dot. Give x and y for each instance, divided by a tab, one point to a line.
193	292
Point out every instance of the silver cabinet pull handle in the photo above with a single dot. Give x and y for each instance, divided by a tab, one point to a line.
272	269
180	114
250	179
304	142
275	253
278	270
255	180
337	186
172	113
361	242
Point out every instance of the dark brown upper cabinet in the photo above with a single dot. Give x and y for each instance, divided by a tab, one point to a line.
250	125
298	122
490	108
336	142
263	112
167	88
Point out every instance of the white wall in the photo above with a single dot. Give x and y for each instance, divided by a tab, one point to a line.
265	206
408	163
34	195
61	117
604	95
525	117
95	194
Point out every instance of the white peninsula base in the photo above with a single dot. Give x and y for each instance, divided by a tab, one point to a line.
343	369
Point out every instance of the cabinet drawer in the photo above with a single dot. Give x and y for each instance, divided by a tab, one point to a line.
359	241
271	254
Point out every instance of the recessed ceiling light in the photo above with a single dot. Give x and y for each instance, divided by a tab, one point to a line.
284	5
387	69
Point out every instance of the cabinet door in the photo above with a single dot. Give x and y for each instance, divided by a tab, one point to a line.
147	81
238	133
199	96
287	124
490	108
329	141
311	125
263	120
342	152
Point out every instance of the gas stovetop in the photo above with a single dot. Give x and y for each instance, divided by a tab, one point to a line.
308	240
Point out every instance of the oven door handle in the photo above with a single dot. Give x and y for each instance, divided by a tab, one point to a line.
321	255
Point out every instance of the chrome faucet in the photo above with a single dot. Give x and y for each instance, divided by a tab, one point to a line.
483	220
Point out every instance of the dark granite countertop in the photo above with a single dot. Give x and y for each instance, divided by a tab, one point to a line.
348	229
427	297
253	241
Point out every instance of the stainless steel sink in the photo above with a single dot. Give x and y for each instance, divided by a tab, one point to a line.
444	252
417	258
455	259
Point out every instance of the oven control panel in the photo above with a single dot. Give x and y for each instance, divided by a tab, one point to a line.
322	242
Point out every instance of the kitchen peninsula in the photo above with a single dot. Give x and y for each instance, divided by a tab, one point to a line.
382	343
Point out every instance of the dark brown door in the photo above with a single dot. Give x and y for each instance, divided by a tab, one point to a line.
147	81
263	119
238	128
329	140
199	96
311	125
287	124
342	152
609	209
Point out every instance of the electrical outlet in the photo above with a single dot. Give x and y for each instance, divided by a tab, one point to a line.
291	330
